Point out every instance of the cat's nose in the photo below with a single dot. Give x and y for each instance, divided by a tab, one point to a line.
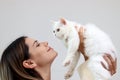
58	30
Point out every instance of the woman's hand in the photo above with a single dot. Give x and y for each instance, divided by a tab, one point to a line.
112	64
82	38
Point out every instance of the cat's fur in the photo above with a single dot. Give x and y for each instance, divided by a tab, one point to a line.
96	44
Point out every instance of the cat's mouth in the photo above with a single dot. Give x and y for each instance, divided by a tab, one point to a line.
62	36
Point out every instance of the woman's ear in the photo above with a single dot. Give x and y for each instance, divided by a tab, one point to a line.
29	64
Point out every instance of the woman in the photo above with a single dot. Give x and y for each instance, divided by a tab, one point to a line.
28	59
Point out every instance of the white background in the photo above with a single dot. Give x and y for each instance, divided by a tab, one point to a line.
32	18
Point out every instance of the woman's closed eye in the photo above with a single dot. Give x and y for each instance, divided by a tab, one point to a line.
38	44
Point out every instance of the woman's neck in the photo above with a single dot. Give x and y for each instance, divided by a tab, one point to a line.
45	72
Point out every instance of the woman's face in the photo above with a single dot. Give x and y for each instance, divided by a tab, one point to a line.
40	52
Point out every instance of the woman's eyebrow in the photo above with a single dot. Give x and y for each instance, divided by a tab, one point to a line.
34	42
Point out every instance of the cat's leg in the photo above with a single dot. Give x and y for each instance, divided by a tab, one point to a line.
72	48
72	66
68	60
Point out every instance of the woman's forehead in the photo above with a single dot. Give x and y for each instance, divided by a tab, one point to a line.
29	41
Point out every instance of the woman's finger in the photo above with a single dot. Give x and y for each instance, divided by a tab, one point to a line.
114	63
108	62
103	65
111	63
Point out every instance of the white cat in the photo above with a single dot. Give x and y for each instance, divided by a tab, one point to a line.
96	44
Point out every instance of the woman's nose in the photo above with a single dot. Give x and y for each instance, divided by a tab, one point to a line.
46	43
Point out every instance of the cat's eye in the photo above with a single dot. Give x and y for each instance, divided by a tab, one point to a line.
53	31
58	30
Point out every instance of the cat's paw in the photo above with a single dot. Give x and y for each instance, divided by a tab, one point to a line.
68	75
66	62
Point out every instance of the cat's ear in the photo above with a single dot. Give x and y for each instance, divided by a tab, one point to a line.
63	21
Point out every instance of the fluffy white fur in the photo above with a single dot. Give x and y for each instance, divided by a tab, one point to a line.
97	43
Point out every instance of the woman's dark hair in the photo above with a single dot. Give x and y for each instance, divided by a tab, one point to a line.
11	64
